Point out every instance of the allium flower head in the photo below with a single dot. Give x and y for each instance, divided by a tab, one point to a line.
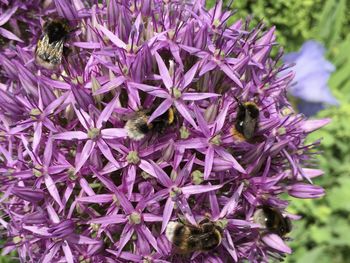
75	186
312	72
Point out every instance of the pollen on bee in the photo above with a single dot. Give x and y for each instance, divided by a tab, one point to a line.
137	128
236	134
170	230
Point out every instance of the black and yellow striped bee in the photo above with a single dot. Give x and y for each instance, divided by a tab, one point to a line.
50	47
137	126
188	238
246	121
272	220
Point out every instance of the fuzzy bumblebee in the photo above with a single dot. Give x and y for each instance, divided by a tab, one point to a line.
188	238
246	121
50	46
272	220
137	126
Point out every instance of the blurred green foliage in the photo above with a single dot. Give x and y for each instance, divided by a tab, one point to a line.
7	259
323	234
294	19
297	20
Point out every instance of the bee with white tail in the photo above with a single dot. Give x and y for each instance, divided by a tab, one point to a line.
188	238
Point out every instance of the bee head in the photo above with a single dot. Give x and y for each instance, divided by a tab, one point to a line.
252	109
57	29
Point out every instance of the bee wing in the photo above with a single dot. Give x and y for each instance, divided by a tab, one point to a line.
199	237
249	126
126	115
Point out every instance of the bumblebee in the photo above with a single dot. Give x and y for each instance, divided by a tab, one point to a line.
272	220
137	127
188	238
246	121
50	46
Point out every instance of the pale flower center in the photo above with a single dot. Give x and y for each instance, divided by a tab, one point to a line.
133	157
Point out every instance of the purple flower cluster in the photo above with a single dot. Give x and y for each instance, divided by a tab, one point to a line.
75	188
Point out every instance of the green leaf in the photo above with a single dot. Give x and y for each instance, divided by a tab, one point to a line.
339	197
331	21
312	255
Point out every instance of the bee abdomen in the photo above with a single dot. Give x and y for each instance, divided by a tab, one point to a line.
181	233
211	242
143	128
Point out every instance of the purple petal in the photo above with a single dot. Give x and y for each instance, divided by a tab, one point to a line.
112	37
66	9
129	179
127	256
106	151
209	159
190	75
275	242
71	135
214	205
84	155
203	125
106	113
56	103
231	205
114	83
113	133
86	187
310	173
42	231
312	125
163	107
184	111
163	70
230	246
199	189
225	155
168	209
225	68
52	251
125	237
220	120
147	217
155	91
37	135
100	198
87	45
28	194
185	171
7	34
82	240
51	187
195	143
198	96
209	66
107	220
48	152
158	173
67	252
186	210
150	237
4	17
301	190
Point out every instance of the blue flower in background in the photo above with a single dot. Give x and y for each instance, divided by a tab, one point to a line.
312	72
